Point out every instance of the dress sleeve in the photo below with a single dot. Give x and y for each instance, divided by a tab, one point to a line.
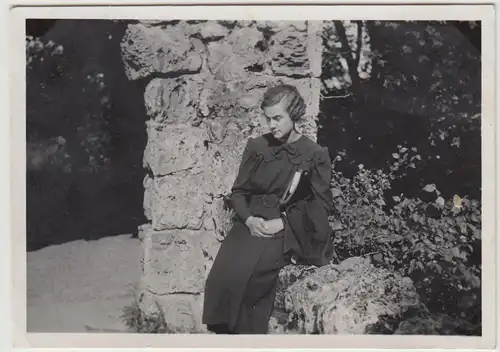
307	229
239	193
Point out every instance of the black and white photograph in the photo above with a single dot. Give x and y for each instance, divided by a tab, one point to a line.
255	176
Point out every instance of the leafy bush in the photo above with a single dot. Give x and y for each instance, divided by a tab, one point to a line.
434	241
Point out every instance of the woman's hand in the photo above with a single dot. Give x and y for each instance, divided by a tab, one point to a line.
257	226
273	226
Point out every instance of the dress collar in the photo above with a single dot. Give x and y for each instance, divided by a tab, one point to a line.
278	147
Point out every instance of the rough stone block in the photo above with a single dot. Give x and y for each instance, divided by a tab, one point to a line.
148	49
289	53
176	202
247	44
212	30
224	64
277	26
222	163
173	100
174	148
173	263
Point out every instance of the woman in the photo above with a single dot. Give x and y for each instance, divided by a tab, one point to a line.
269	229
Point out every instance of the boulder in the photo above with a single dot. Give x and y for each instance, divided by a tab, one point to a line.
353	297
436	324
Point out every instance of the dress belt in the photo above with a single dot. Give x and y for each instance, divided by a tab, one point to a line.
269	200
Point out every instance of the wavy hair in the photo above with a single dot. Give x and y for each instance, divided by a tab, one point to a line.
293	102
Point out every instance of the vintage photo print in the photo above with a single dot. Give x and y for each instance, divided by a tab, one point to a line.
318	176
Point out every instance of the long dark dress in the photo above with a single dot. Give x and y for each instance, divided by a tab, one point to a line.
241	286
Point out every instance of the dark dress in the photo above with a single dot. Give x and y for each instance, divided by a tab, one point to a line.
241	286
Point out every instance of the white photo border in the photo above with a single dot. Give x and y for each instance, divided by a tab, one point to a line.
16	52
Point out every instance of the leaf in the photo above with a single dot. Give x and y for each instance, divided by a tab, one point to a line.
395	155
378	257
439	268
440	201
396	199
336	192
456	252
337	225
430	188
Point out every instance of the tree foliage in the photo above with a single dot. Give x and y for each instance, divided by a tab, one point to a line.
69	103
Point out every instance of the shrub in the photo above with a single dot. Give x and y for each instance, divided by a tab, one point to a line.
434	241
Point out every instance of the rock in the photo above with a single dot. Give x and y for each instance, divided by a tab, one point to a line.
219	218
198	46
176	201
287	277
436	324
173	263
227	23
172	100
222	162
251	100
159	22
210	247
211	88
289	53
197	21
275	327
233	59
353	297
315	47
182	313
174	148
245	45
274	27
212	31
147	50
224	64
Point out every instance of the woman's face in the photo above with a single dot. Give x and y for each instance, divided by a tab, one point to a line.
278	120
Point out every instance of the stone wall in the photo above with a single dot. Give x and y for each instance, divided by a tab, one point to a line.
204	80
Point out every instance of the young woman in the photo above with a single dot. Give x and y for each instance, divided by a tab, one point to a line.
274	224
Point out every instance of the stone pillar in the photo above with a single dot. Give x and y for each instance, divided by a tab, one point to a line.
205	81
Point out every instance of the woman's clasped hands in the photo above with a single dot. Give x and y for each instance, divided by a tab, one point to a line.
264	228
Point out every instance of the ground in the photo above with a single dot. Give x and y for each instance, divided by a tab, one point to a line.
82	286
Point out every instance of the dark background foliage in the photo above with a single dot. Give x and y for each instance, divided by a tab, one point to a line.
85	133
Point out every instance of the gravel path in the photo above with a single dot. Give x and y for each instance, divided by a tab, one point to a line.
82	286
